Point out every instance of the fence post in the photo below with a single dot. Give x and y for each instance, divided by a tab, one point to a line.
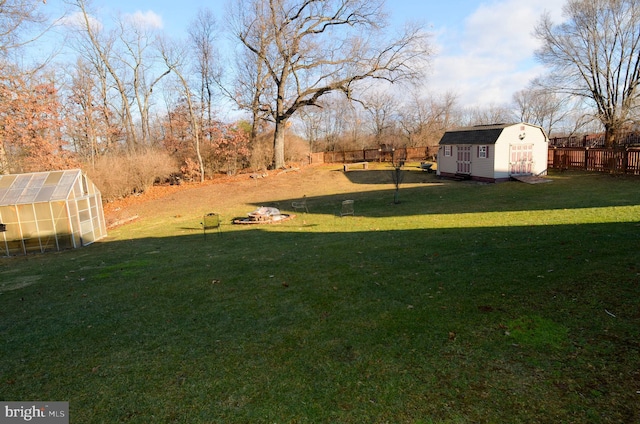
625	160
586	158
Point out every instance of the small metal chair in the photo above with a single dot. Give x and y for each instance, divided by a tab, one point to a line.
347	208
209	222
300	205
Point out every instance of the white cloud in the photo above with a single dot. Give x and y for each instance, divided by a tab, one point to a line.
148	19
491	56
76	21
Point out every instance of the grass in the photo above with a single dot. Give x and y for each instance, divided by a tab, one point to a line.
464	303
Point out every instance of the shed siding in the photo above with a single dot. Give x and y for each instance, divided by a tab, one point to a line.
447	163
509	136
482	167
497	166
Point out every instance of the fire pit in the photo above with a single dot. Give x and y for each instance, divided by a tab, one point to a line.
263	215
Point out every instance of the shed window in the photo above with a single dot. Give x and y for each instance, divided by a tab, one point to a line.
483	152
447	150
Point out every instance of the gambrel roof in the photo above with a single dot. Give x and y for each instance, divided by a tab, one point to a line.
480	134
21	189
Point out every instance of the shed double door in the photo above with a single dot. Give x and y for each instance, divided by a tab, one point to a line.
464	160
521	159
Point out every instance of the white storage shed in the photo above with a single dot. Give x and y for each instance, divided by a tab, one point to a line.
493	153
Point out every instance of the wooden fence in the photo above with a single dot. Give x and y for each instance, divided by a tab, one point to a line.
621	161
375	155
595	141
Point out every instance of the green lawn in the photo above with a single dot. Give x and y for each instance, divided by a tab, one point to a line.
465	303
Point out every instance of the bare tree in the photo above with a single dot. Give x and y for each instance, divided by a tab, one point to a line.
350	116
311	123
311	48
17	20
139	57
98	49
540	107
126	62
486	115
176	61
252	77
93	123
203	37
82	112
595	54
381	107
425	119
252	85
334	124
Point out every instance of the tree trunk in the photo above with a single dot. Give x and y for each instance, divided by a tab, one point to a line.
4	162
278	144
195	128
199	156
610	134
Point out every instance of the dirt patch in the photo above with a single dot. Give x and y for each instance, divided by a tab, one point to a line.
18	282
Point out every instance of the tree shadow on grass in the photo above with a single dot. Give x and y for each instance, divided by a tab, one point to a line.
411	175
260	313
421	194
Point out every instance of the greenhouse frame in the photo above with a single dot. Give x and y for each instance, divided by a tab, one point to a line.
49	211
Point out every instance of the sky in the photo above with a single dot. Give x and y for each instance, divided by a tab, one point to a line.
484	50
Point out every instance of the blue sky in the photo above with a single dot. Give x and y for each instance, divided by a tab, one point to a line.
484	49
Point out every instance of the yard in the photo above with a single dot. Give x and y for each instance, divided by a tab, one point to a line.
463	303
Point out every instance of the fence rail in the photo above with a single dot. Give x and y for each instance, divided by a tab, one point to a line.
622	161
595	141
375	155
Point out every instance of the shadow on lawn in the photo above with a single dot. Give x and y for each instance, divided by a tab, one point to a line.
410	175
423	194
125	319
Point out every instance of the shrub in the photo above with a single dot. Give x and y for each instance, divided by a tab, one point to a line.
190	170
227	150
296	150
261	152
122	175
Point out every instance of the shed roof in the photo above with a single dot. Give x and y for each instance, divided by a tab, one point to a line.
20	189
480	134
